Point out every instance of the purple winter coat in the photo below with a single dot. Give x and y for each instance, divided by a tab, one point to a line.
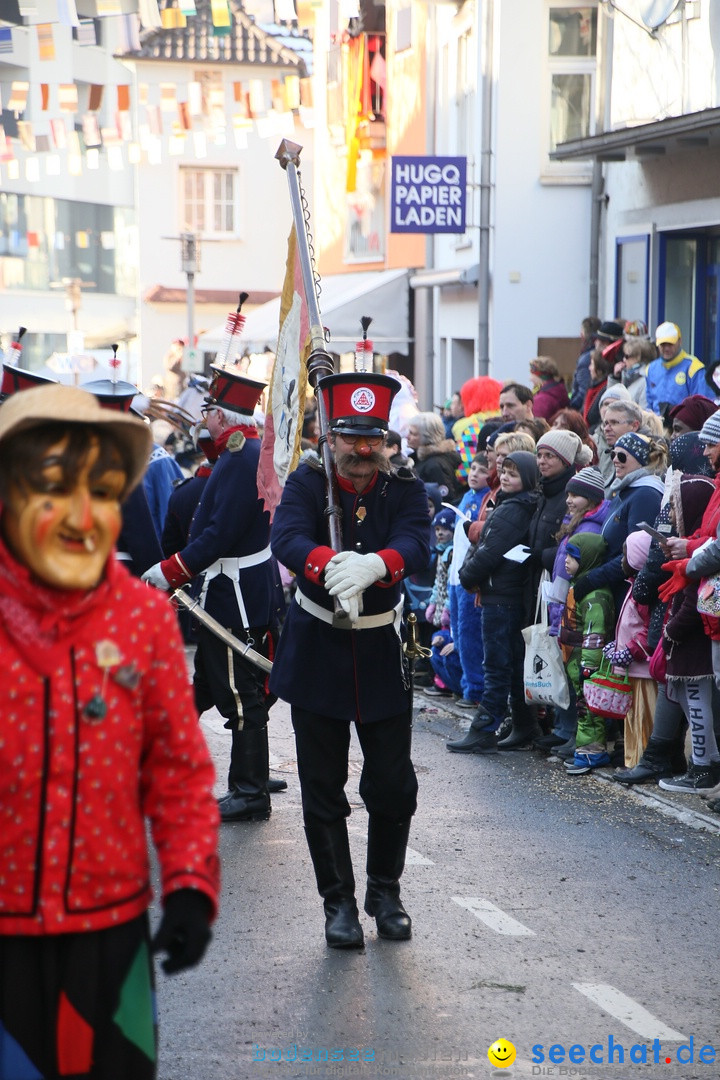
550	398
591	523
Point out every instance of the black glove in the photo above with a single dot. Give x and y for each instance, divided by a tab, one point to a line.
184	931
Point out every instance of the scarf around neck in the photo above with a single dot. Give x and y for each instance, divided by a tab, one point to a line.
38	619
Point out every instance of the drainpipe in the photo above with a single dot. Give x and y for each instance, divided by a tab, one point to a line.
486	71
602	123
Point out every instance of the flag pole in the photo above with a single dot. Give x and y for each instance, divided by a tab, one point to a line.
320	362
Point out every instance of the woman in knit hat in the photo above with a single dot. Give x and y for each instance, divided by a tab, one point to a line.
548	387
636	493
559	453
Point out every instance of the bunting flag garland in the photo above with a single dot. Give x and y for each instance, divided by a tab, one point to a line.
27	138
46	44
18	97
68	97
150	15
95	97
86	32
137	129
220	12
173	18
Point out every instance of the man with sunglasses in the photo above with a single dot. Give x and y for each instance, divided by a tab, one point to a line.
345	668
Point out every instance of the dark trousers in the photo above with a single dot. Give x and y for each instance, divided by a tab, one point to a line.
388	785
232	684
504	655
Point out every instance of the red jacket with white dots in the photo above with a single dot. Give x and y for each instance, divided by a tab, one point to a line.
76	788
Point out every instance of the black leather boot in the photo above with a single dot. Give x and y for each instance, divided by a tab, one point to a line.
247	799
477	740
656	762
387	844
525	728
330	854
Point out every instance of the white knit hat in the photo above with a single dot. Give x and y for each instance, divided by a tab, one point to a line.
567	446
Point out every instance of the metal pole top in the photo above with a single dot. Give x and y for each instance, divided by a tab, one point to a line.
288	153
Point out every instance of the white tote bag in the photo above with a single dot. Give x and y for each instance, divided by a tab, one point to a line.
544	672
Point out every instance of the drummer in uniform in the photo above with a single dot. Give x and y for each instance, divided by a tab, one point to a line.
228	559
338	672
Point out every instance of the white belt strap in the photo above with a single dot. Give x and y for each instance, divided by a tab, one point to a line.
231	568
363	622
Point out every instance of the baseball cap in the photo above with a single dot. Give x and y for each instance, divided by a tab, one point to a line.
667	333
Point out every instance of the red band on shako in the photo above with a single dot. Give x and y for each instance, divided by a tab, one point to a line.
358	402
15	379
233	391
112	395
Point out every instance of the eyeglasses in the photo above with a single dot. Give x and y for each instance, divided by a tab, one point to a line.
207	409
618	455
613	423
369	440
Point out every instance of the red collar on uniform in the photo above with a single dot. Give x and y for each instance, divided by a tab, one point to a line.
247	430
347	485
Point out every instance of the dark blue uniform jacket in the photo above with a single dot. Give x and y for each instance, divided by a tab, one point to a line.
349	674
231	521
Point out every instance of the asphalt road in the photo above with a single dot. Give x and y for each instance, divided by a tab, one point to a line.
549	911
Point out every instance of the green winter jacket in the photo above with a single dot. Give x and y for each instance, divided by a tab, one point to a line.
587	625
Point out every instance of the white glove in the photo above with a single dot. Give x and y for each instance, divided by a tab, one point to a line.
154	576
353	606
349	573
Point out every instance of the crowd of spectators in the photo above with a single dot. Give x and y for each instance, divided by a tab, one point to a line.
598	497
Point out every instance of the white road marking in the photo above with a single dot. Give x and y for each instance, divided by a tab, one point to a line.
493	916
629	1012
414	858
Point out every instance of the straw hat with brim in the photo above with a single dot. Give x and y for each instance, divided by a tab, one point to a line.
72	405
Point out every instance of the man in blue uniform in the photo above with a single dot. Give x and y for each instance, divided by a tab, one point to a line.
341	671
676	374
228	558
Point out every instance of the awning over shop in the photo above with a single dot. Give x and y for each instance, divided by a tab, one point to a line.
344	299
674	134
428	279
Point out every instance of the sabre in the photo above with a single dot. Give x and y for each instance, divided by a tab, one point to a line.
219	630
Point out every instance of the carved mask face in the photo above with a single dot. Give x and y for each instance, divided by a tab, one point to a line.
63	528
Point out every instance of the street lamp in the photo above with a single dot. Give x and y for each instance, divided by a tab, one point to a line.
190	266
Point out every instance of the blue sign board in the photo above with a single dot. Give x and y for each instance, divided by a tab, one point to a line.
428	195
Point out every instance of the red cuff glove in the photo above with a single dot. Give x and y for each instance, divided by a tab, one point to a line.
678	579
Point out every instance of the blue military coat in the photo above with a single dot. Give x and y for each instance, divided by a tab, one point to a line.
231	523
349	674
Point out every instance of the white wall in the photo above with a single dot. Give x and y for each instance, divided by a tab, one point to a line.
254	260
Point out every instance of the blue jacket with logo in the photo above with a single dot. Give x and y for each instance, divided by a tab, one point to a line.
674	380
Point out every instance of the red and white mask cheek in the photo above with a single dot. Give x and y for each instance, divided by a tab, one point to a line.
64	540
